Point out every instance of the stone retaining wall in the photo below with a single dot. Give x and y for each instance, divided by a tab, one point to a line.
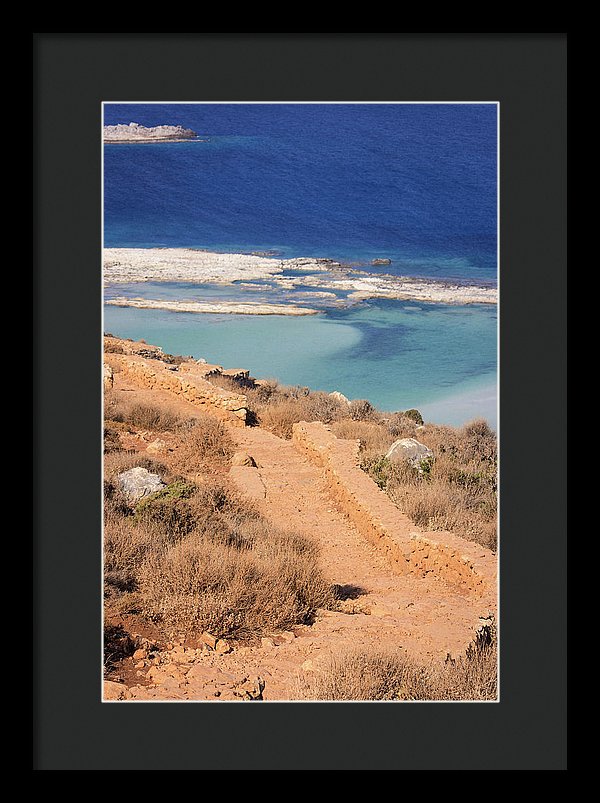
189	384
462	564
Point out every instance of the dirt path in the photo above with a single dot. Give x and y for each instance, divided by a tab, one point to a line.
422	617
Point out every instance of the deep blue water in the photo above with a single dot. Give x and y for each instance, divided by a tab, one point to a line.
414	183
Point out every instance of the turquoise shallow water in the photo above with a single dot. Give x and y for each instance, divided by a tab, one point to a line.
438	358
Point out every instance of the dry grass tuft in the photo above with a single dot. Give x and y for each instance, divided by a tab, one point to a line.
277	407
441	506
279	415
354	676
119	461
112	437
144	416
391	676
113	348
202	445
374	437
241	591
362	410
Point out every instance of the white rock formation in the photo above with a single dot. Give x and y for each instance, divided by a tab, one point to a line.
139	482
411	450
134	132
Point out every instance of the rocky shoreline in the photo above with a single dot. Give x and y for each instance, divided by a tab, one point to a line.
128	265
124	265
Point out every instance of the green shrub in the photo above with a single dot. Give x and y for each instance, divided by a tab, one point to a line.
379	470
414	415
424	467
179	489
168	509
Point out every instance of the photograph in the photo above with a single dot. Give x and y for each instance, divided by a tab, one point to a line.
300	401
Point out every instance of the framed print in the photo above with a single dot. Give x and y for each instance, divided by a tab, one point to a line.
285	338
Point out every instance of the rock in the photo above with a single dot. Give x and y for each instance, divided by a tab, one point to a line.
379	612
107	377
248	481
157	445
381	261
340	397
242	459
352	606
200	674
170	688
209	640
251	689
115	691
139	482
267	642
223	647
157	674
183	657
287	637
241	374
140	655
227	694
410	450
176	672
308	666
142	643
134	131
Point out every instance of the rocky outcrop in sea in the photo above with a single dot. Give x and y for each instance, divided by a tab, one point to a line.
134	132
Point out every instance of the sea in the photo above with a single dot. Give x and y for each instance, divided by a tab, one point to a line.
412	183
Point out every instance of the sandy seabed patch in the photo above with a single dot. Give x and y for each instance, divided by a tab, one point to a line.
230	307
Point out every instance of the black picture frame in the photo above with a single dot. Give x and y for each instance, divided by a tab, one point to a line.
73	73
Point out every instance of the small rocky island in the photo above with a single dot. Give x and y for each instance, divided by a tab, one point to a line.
134	132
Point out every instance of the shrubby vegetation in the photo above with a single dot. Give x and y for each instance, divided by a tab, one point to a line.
456	490
205	560
195	556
